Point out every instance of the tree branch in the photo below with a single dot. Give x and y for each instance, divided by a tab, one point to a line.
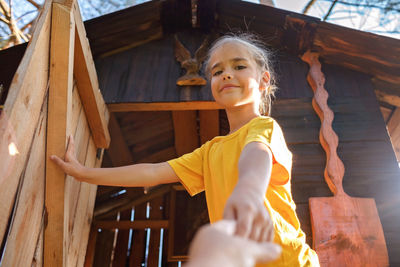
330	10
308	6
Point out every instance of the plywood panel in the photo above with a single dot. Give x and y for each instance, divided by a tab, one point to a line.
28	217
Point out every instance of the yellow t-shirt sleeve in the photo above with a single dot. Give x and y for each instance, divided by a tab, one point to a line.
189	169
267	131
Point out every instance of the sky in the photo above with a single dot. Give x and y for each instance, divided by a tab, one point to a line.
357	20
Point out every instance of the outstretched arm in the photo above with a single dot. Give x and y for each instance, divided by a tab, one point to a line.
144	174
246	203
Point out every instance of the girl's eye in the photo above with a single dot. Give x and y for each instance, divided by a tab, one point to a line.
240	67
217	73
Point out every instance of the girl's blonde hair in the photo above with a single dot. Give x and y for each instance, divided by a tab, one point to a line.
261	55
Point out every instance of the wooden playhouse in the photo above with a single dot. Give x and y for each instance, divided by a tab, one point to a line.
152	119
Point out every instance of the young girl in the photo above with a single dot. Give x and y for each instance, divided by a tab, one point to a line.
245	174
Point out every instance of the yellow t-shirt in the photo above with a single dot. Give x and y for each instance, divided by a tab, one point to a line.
214	168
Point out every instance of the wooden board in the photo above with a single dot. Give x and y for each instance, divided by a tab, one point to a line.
29	206
59	111
22	101
88	86
346	231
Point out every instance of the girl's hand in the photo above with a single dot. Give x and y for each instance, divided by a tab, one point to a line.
216	245
70	165
247	208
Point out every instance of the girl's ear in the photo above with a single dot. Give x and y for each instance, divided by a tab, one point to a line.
264	80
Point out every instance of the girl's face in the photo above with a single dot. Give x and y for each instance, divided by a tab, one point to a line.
235	77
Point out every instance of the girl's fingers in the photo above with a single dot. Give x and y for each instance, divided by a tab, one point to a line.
244	222
58	161
267	233
265	252
229	213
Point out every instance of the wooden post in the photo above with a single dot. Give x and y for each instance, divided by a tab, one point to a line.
59	107
185	128
88	85
209	124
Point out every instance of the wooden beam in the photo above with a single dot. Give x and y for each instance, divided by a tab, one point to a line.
163	106
137	224
391	99
90	250
19	118
118	151
65	3
59	108
393	127
386	113
209	124
112	208
185	131
88	85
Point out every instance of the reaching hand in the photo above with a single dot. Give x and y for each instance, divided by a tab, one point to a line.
216	245
70	165
247	208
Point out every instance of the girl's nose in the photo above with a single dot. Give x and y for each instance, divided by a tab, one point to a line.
227	77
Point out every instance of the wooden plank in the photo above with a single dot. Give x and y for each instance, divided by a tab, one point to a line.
136	224
29	207
393	127
156	213
90	250
209	124
185	129
118	151
38	257
159	106
386	113
126	203
77	193
25	98
138	247
66	3
88	86
121	247
340	219
104	248
60	101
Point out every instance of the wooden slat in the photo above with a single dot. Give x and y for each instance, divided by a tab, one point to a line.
66	3
88	216
90	250
159	106
185	129
386	113
25	99
77	193
209	125
118	151
393	127
60	100
121	247
156	213
123	204
104	248
138	246
29	207
136	224
88	86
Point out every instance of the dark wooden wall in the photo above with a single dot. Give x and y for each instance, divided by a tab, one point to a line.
364	145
